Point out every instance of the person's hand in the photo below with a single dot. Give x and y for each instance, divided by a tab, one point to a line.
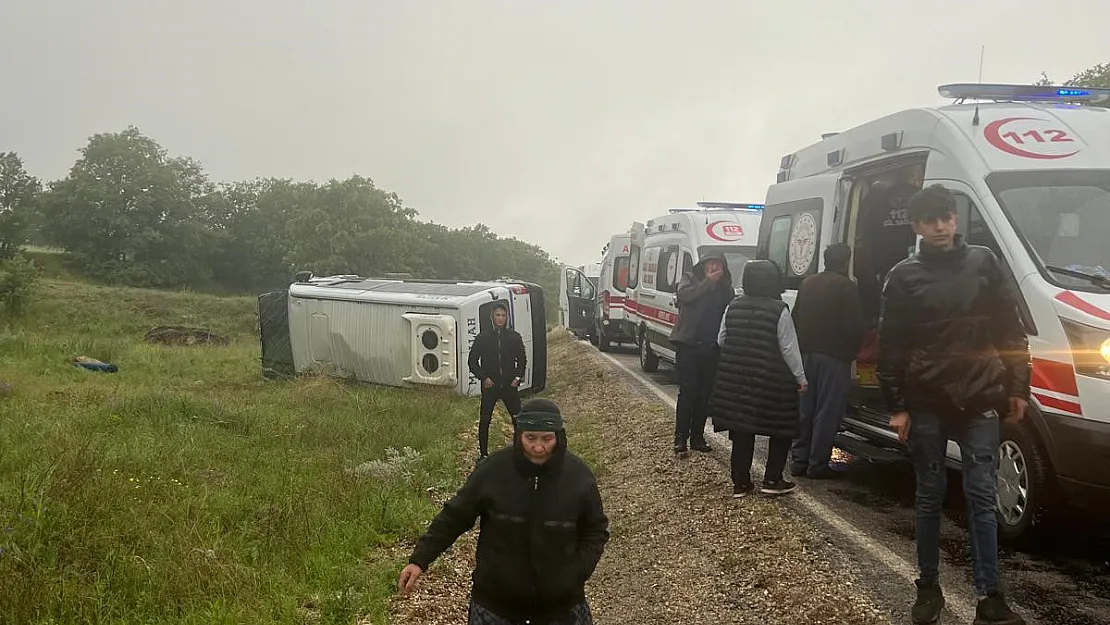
802	387
1017	409
487	383
900	421
714	275
516	382
408	578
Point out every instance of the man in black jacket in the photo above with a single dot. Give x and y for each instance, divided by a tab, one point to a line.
498	359
703	294
542	534
830	331
953	361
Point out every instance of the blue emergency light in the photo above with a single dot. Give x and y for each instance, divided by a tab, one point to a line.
1023	93
732	206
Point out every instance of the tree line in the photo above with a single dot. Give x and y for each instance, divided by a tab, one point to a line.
129	213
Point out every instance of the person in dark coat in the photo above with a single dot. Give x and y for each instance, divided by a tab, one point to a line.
954	363
543	528
830	332
702	296
498	359
759	378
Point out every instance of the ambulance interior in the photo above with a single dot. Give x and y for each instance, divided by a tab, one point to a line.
881	235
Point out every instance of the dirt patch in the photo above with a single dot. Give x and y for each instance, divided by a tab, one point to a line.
682	550
183	335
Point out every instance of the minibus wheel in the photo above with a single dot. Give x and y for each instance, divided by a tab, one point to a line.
1024	483
649	362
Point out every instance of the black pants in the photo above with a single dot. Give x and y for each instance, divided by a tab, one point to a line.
823	406
743	451
696	366
508	395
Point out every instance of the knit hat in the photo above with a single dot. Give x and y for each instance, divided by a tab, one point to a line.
539	415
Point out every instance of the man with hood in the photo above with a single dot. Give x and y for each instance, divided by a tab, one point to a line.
498	359
542	533
703	294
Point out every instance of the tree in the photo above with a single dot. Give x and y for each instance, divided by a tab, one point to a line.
1093	77
129	213
18	192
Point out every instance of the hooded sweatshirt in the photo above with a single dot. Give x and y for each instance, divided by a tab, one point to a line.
701	304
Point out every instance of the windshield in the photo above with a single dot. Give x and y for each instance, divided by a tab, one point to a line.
1064	217
736	257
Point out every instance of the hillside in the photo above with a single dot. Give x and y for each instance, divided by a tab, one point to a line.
185	488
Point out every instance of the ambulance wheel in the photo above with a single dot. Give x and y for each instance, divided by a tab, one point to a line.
593	337
603	342
1024	482
649	362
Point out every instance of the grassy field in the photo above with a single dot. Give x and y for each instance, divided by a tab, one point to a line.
185	488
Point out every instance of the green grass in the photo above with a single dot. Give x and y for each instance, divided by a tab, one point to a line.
187	489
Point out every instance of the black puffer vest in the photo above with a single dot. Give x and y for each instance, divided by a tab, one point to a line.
755	391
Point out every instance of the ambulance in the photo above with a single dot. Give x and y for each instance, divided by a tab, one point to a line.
664	249
610	323
1030	170
578	300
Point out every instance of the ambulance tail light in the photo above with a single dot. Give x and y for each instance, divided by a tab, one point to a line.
1090	348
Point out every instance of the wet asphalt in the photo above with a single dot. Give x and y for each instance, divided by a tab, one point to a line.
1063	580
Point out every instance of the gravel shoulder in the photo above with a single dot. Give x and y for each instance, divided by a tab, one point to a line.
682	550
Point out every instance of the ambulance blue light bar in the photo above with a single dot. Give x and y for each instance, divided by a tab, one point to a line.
732	206
1023	93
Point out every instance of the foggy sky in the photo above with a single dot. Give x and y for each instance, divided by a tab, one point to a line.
556	121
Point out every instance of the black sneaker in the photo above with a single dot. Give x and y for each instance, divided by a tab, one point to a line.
824	473
798	470
781	487
700	445
742	490
930	603
992	610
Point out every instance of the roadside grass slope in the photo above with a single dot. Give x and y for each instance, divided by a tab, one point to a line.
187	489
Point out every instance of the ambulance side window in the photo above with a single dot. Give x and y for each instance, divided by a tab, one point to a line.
971	224
620	273
778	245
667	271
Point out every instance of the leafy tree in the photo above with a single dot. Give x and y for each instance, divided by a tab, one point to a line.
1097	76
18	192
131	214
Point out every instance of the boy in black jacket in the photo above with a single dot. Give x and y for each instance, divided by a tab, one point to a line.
542	534
498	359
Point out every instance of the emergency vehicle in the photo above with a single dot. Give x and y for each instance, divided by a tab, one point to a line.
610	317
404	333
1030	170
667	247
578	300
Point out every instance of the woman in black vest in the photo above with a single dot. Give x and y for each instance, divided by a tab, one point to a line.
759	379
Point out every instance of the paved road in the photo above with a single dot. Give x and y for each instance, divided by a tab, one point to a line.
867	516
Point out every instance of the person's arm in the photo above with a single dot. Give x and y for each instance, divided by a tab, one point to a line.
788	345
593	532
521	357
895	331
475	360
691	288
456	518
1009	334
721	331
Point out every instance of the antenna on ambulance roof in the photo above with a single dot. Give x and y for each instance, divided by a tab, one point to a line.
982	53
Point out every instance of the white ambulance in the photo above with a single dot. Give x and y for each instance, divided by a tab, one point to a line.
1030	169
667	247
610	323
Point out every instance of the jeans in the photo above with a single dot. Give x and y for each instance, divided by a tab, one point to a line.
978	437
510	396
696	365
823	406
743	451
